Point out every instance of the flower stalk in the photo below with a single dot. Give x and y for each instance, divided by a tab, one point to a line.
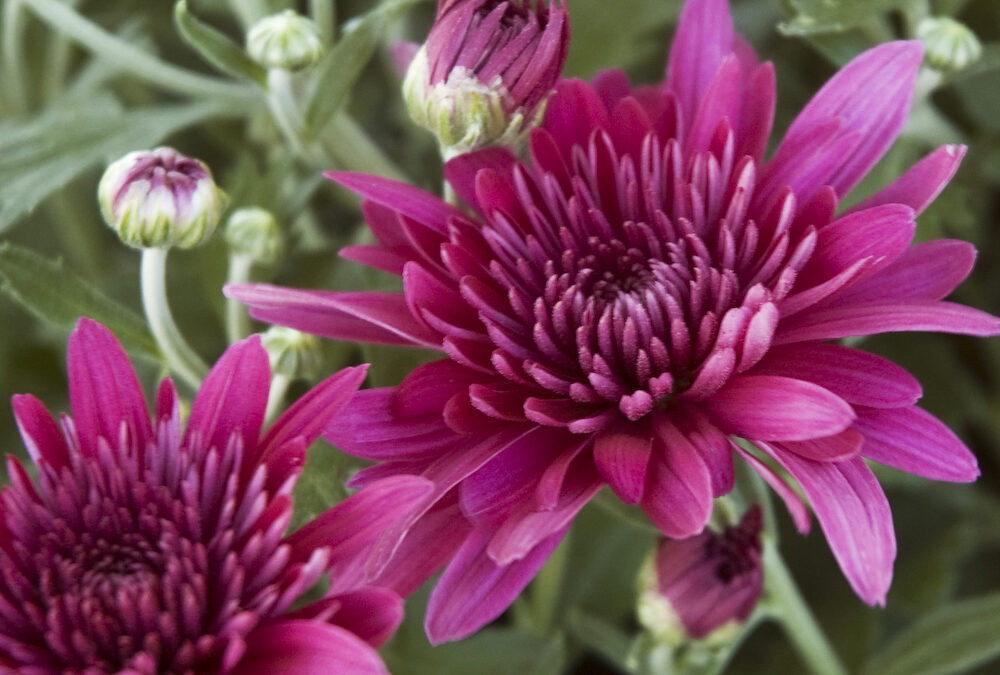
796	618
180	357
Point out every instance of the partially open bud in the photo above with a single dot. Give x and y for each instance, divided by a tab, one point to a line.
253	232
702	586
293	354
949	44
286	40
156	198
485	71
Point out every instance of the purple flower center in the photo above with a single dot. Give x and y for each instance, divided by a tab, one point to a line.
638	296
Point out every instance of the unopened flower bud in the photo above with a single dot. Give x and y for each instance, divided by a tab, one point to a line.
155	198
253	232
286	40
486	91
949	44
293	354
703	586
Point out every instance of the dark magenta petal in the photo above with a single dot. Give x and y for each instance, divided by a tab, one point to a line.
40	433
704	38
922	183
104	392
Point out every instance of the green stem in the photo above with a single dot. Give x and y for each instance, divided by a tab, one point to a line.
284	109
237	319
180	357
324	14
63	18
796	618
276	397
547	586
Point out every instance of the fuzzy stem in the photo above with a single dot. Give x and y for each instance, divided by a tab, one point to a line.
796	618
237	319
180	357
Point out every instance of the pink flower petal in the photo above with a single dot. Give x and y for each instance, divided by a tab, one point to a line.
520	533
623	458
678	494
758	113
232	398
40	433
373	614
307	417
871	318
104	392
429	543
372	316
572	113
410	201
350	528
881	233
913	440
474	590
769	407
498	487
704	38
462	173
919	186
300	647
798	511
872	96
926	271
835	448
856	376
855	517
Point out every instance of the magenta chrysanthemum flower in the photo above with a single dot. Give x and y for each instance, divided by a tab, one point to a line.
714	578
645	288
142	549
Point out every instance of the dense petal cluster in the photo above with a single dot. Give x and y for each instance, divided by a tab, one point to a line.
643	289
146	549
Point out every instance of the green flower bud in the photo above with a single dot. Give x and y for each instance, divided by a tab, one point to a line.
949	44
293	354
155	198
254	232
464	113
286	40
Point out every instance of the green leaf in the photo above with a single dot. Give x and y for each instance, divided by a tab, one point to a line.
953	639
215	47
59	296
40	155
342	65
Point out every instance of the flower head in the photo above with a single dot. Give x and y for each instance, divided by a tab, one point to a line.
647	287
253	232
484	72
145	549
707	581
286	40
160	197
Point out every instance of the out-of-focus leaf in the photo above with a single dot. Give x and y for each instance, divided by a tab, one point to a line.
597	634
215	47
59	296
494	651
951	640
826	16
321	484
639	34
40	155
340	68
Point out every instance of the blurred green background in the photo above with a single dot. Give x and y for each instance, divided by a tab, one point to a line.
67	110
